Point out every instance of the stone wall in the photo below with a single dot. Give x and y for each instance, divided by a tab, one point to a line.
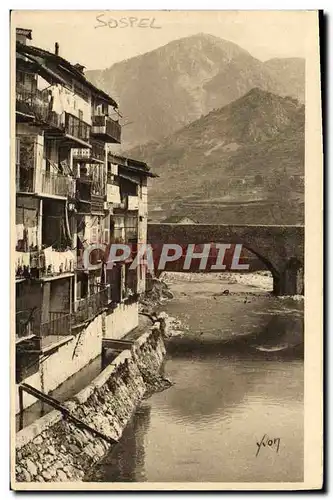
123	319
67	359
275	244
53	449
79	350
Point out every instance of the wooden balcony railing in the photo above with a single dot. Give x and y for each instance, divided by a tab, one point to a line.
24	324
85	155
107	129
59	185
83	188
77	128
24	179
97	203
60	324
47	333
89	307
98	153
35	104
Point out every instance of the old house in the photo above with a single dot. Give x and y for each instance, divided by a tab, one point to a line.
71	193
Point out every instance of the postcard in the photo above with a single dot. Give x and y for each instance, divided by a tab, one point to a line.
166	250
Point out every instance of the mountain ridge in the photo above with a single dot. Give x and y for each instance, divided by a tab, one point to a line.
250	151
165	89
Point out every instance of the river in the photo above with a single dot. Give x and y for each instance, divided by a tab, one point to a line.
235	411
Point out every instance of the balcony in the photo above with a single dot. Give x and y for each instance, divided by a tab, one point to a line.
24	179
76	129
24	325
106	129
43	264
32	106
33	337
54	263
59	324
85	155
57	185
97	203
83	194
90	196
22	265
89	307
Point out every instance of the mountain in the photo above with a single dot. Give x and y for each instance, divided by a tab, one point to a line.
165	89
290	74
243	163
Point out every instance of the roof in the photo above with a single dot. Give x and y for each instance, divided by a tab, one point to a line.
137	166
60	61
177	218
24	32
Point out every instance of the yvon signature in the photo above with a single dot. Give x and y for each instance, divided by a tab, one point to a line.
266	441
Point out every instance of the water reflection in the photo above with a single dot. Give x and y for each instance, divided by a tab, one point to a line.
127	460
230	391
208	385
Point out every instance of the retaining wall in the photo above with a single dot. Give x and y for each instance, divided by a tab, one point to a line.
79	350
67	360
123	319
53	449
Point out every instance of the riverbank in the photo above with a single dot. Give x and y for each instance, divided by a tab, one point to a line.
225	308
54	448
232	350
227	393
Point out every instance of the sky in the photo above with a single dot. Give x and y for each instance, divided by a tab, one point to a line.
98	39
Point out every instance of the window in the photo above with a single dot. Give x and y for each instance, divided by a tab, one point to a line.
47	154
20	78
94	234
48	149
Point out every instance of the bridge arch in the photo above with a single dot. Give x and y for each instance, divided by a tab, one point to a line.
280	248
275	273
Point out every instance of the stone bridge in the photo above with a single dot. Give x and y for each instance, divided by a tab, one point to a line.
280	248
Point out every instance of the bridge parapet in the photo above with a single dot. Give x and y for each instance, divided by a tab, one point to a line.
281	248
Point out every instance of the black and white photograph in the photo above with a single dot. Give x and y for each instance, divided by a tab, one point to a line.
166	239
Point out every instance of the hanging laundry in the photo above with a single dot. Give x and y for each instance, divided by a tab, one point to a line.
32	236
22	259
26	259
19	232
57	101
48	256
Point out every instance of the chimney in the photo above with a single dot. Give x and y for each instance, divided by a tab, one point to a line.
56	48
22	35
